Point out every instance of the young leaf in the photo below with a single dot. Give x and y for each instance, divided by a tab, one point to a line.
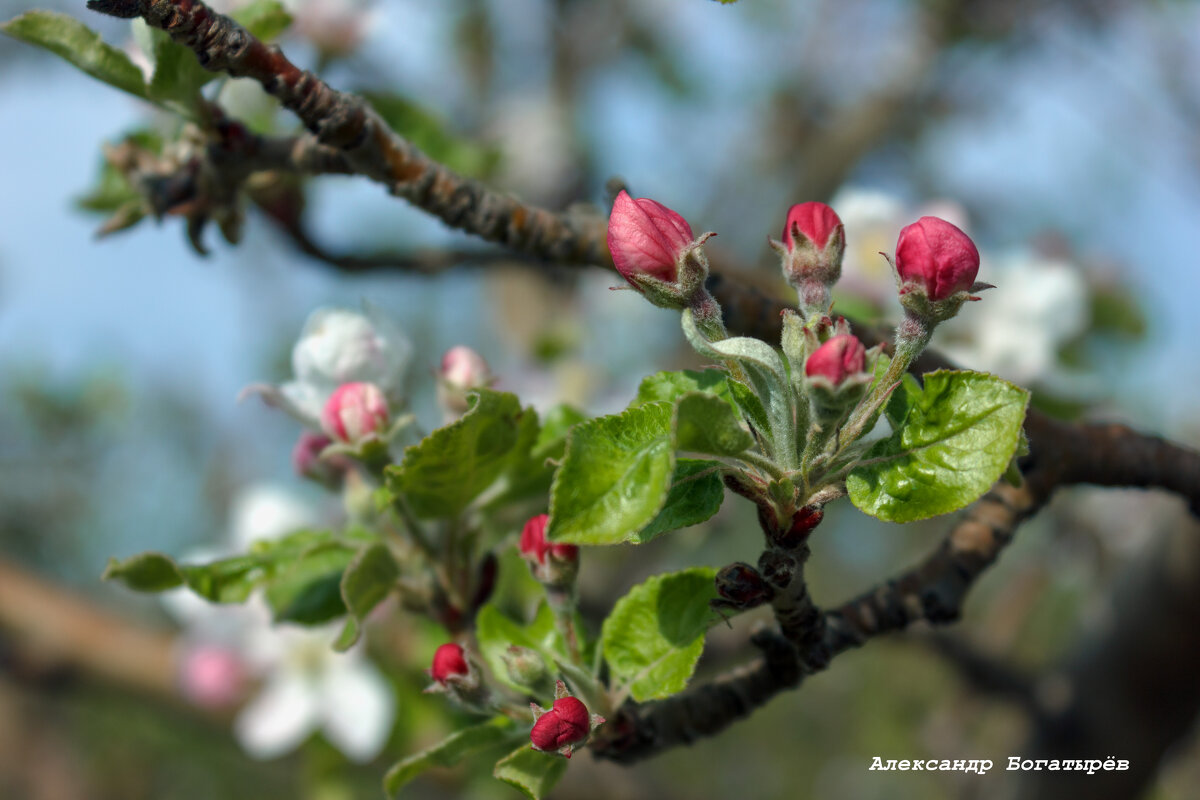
957	438
447	752
705	423
448	469
691	499
367	581
654	635
533	772
432	136
75	42
614	476
308	590
178	76
669	386
146	572
264	19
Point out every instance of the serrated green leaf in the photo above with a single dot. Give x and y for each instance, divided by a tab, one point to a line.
694	497
367	581
705	423
146	572
957	438
448	752
614	476
264	19
308	590
532	772
667	387
448	469
431	135
78	44
655	633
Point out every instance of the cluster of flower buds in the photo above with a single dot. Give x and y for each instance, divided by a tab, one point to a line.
565	726
461	371
554	565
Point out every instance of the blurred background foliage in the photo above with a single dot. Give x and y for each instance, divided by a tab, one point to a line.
1060	129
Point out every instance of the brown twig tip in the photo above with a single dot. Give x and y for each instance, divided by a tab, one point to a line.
124	9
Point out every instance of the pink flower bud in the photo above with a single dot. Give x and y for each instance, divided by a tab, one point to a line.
838	358
448	662
566	724
354	411
814	220
646	238
213	677
535	547
463	368
933	254
306	455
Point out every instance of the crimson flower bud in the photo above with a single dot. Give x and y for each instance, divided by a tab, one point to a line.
449	662
535	547
646	238
812	247
837	359
564	726
354	411
653	248
936	256
814	221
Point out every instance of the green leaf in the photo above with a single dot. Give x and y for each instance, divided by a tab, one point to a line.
367	581
669	386
146	572
265	19
552	438
431	135
178	76
495	631
447	752
533	772
654	635
614	476
750	406
230	580
691	500
75	42
956	439
308	590
448	469
705	423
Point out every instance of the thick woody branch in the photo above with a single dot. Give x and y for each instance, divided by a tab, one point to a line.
370	147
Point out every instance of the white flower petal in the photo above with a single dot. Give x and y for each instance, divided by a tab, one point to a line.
279	718
266	511
357	706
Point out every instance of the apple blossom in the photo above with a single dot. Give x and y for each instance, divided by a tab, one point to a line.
355	411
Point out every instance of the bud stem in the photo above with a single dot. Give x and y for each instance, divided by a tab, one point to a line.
562	603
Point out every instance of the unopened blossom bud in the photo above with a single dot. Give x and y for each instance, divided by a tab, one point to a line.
936	257
566	725
814	240
654	249
461	370
837	359
554	565
449	662
355	411
307	461
213	676
526	667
